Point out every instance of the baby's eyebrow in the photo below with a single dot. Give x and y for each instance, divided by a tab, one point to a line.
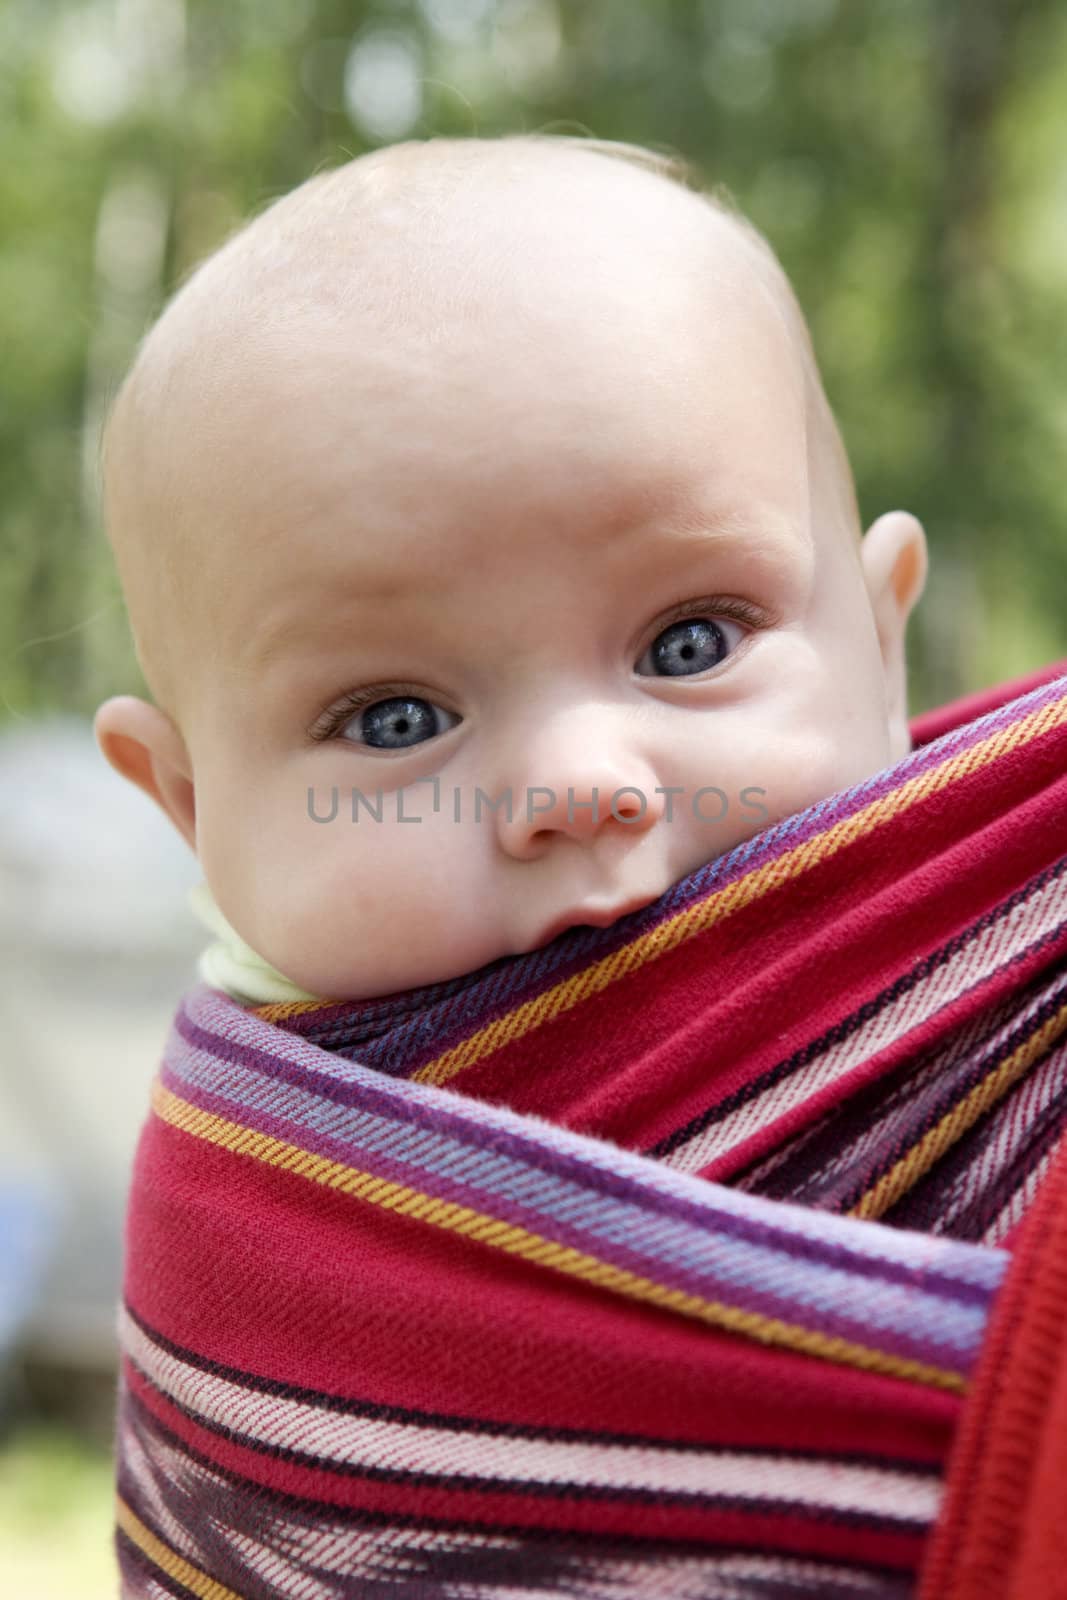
277	635
761	532
732	532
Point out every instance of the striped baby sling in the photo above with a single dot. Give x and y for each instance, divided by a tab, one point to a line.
720	1254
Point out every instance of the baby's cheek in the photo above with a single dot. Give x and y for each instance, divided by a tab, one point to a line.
797	770
339	879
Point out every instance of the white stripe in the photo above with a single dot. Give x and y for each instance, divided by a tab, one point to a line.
341	1439
982	955
1044	1085
1021	1200
293	1542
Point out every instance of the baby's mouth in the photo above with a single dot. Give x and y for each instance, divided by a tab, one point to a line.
590	916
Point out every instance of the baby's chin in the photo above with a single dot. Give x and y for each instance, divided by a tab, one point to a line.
353	988
357	988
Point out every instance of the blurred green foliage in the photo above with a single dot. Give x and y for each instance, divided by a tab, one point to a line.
56	1498
905	158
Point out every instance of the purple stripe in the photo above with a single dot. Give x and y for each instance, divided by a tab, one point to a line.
462	1127
748	1295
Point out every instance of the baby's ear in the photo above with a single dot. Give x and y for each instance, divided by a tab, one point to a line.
143	745
894	561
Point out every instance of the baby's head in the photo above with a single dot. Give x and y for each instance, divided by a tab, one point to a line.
506	464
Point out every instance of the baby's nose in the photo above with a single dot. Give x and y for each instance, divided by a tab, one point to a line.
578	792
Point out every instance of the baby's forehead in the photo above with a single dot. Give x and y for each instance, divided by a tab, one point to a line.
459	275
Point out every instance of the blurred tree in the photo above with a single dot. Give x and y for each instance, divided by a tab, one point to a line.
904	158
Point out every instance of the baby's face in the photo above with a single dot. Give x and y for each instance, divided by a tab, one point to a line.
581	544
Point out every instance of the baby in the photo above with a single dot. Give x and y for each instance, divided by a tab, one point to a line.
492	557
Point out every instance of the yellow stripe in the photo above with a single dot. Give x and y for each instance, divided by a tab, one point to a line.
705	914
932	1146
166	1559
282	1010
531	1246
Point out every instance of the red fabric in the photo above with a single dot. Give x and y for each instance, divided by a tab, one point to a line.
1002	1533
376	1308
360	1315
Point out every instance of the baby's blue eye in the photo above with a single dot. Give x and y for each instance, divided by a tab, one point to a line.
401	723
685	648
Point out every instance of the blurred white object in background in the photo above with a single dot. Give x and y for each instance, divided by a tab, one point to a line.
97	943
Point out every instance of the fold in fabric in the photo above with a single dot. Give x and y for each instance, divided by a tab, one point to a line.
1001	1532
664	1260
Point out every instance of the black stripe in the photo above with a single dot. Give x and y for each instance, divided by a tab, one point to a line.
921	1208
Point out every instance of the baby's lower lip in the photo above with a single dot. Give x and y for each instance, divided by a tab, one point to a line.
595	917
